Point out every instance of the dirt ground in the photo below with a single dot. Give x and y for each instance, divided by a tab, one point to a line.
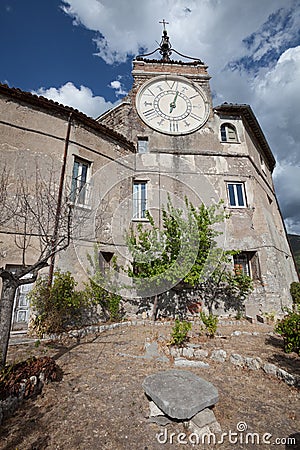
100	403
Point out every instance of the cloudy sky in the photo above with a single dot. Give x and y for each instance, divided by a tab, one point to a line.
79	53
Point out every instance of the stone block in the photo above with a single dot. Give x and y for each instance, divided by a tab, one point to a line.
219	355
203	418
155	410
237	360
175	352
181	362
253	363
270	369
286	377
188	352
215	428
236	333
200	353
180	394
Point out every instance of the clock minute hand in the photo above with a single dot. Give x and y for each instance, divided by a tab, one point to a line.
173	103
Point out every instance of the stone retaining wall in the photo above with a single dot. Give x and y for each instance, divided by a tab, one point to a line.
194	352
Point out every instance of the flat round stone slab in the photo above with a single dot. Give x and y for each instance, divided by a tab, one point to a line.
180	394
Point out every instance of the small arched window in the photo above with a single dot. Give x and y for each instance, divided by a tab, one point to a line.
228	133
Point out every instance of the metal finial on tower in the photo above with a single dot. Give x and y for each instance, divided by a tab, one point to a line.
165	46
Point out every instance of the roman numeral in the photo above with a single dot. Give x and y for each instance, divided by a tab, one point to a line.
194	116
173	126
150	113
149	92
172	86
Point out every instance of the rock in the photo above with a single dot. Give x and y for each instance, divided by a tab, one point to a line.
253	363
175	352
215	428
188	352
237	360
219	355
236	333
180	394
151	350
157	415
270	369
286	377
200	353
160	420
181	362
203	418
204	423
155	410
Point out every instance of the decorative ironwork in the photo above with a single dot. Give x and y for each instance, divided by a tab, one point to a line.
165	48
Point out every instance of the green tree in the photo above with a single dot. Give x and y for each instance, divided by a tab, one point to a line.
180	255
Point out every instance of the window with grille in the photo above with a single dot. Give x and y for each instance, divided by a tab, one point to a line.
241	263
248	264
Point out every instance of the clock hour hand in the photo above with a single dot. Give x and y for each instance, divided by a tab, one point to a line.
173	103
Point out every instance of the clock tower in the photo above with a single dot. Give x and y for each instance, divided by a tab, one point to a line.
168	99
185	147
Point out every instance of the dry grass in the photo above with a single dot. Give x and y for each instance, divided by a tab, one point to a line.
100	403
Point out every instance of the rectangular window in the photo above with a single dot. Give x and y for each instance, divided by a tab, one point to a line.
139	199
236	195
105	261
241	263
142	146
247	263
80	186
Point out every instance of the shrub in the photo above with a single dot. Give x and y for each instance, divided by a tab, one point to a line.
289	329
109	302
95	290
180	331
295	292
210	323
58	307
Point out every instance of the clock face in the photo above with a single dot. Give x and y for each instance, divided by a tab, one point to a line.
172	105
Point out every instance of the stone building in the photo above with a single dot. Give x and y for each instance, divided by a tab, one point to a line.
165	137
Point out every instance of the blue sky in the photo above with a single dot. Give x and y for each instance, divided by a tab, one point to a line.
79	53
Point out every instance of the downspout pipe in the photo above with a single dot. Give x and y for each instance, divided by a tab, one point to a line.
59	202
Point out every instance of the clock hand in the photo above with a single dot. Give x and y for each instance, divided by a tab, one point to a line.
173	103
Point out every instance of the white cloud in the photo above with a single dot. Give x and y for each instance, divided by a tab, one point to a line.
277	98
81	99
211	29
117	86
